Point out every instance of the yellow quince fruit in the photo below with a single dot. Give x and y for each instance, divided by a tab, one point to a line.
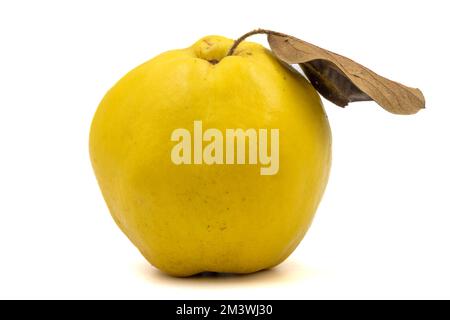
212	162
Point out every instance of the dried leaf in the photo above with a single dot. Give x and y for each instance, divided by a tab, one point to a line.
342	80
332	83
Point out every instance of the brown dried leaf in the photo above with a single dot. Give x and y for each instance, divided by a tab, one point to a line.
342	80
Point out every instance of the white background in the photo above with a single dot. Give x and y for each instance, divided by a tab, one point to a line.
383	227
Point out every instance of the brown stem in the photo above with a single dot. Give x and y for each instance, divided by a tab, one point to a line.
248	34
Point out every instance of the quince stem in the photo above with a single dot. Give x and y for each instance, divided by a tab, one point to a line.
251	33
